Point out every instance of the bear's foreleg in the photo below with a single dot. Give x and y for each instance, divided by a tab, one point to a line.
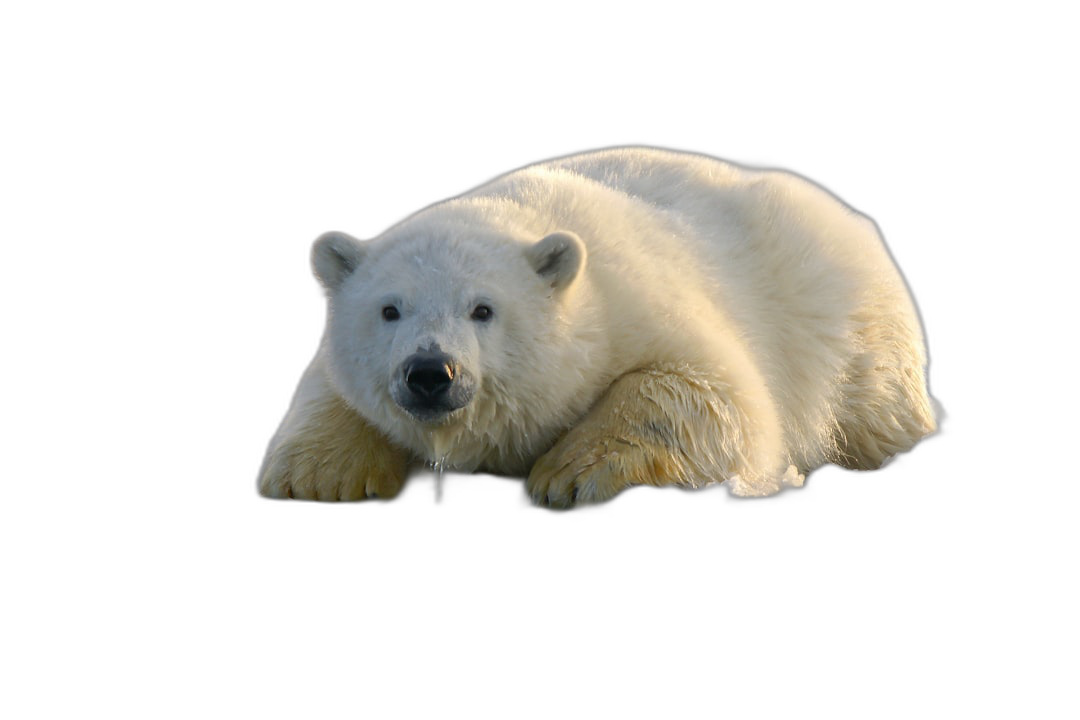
326	451
665	425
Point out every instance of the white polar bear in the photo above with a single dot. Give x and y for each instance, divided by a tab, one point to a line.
621	317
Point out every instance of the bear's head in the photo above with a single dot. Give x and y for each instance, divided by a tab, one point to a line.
453	336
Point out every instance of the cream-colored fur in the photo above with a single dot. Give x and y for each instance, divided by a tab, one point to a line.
326	451
659	318
662	425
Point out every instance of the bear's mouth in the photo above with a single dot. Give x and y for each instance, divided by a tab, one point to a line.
430	415
437	409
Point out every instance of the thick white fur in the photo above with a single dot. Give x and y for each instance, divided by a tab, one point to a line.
773	330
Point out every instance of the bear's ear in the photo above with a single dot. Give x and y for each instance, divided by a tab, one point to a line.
559	258
333	258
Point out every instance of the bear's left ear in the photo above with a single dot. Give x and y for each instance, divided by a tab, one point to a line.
559	258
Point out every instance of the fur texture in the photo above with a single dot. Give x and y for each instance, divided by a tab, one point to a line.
622	317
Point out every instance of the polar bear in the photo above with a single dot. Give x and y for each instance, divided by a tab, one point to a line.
630	316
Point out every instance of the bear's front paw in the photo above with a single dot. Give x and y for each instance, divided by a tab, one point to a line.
294	471
572	473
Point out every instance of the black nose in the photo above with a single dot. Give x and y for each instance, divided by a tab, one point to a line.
429	376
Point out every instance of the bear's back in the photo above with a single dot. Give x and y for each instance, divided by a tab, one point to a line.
662	177
754	230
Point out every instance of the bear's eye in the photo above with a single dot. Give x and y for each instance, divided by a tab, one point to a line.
390	313
482	313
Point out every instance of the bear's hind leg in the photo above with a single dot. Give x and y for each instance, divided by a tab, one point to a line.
885	408
664	425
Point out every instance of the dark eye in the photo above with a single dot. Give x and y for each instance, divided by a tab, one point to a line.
390	313
482	313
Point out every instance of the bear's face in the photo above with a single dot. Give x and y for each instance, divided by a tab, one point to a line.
427	331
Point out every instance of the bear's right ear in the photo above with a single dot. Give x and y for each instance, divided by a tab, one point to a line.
333	258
